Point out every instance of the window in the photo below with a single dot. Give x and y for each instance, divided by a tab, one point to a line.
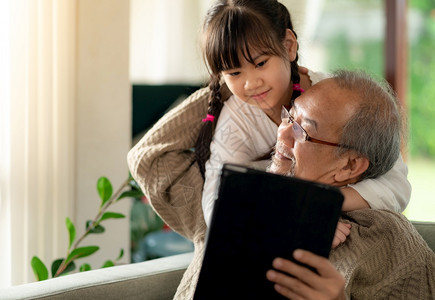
421	109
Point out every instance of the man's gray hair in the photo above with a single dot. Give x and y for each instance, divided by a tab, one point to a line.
375	129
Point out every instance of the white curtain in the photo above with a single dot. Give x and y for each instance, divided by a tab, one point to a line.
37	115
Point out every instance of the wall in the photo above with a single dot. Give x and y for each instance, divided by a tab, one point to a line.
103	118
164	41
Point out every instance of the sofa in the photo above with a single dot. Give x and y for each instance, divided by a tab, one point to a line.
154	279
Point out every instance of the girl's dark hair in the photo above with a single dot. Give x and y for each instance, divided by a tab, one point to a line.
232	27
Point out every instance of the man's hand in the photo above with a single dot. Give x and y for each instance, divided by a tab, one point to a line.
303	283
341	233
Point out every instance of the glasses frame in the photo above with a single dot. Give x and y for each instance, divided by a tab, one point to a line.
285	114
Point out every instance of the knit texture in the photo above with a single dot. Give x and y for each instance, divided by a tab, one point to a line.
163	165
383	258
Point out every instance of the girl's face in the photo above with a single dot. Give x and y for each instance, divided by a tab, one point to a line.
266	83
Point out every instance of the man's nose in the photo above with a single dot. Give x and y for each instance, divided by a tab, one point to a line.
285	134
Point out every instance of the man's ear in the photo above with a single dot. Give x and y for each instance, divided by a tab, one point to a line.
354	165
291	44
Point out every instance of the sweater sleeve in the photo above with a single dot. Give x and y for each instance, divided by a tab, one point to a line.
391	191
163	165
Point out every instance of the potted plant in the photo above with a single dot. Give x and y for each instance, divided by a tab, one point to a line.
67	264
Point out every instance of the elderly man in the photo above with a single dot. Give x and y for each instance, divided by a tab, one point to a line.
343	130
383	256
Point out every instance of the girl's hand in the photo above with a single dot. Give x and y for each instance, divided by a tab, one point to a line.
341	233
303	283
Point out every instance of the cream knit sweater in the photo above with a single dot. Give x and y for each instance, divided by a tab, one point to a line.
383	258
164	167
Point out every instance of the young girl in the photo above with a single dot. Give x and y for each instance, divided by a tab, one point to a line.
239	36
252	47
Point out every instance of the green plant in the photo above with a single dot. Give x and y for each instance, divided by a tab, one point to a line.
421	92
65	265
143	221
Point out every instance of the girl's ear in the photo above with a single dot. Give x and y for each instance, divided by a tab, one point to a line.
291	44
354	165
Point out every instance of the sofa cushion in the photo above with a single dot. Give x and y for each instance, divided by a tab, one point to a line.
427	231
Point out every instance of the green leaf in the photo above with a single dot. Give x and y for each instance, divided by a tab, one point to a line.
81	252
85	267
131	194
56	264
39	269
108	263
133	184
105	190
71	230
121	254
95	229
111	215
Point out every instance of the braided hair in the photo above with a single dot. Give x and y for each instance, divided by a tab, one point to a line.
231	28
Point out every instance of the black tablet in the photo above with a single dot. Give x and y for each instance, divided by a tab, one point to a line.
257	217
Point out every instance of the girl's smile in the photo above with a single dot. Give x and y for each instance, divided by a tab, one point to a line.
260	96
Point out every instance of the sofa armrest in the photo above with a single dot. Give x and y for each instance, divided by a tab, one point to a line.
154	279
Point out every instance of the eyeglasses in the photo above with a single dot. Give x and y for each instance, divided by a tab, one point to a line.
300	133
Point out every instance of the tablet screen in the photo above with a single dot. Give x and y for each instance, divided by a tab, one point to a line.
257	217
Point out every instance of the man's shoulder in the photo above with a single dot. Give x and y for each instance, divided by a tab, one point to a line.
383	254
380	220
377	231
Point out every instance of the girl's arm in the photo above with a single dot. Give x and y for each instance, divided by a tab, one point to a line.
390	191
353	200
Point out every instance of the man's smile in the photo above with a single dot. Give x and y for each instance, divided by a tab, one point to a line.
281	153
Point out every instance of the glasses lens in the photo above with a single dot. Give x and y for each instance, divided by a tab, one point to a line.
284	114
298	132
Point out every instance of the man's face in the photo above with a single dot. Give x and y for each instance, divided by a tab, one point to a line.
322	111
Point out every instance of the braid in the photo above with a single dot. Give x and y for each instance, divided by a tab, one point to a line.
284	15
202	147
295	78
